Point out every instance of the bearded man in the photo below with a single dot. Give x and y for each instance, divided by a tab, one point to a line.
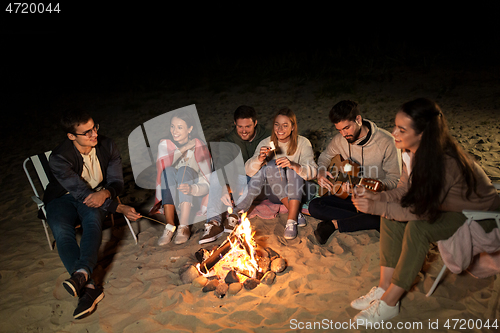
359	141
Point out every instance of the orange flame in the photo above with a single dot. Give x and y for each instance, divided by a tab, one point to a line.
240	257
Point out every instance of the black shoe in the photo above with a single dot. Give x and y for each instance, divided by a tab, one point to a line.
87	302
324	230
212	231
75	283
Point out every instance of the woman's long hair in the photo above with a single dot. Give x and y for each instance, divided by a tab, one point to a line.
292	145
428	171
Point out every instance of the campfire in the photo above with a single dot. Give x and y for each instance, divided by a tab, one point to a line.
238	262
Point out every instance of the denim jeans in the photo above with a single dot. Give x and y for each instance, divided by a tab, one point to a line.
331	207
283	182
170	180
63	215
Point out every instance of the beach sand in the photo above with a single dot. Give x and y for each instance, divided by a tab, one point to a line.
142	285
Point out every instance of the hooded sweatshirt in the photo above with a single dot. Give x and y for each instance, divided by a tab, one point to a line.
376	153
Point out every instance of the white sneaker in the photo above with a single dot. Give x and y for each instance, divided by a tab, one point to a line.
290	229
301	220
364	301
165	238
182	234
377	312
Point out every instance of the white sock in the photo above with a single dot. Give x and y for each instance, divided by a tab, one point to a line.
84	271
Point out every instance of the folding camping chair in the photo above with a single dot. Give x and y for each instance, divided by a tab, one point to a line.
472	215
44	175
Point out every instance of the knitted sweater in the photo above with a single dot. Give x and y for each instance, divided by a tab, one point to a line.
304	156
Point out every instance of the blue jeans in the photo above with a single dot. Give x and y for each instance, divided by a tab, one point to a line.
331	207
63	215
170	180
284	183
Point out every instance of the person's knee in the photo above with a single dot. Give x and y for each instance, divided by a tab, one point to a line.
92	217
314	205
185	174
417	231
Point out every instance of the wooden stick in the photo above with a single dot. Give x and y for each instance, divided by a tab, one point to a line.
153	220
182	179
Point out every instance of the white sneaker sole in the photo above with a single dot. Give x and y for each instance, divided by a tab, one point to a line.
211	239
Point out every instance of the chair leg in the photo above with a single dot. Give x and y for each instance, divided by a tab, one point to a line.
47	234
131	230
438	278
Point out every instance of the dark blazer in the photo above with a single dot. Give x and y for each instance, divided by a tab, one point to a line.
66	164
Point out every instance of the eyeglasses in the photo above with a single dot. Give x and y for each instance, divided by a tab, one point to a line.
89	133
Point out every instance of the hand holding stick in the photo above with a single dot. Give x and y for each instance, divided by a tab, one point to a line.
273	148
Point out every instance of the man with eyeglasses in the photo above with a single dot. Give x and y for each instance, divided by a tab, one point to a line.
85	183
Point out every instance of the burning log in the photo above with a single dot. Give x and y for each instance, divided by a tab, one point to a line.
238	262
217	255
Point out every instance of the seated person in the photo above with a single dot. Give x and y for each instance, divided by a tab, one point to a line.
285	168
438	181
359	141
183	170
246	135
88	179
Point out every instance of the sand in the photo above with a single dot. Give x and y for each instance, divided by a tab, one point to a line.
143	290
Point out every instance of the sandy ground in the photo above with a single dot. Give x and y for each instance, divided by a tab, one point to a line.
141	282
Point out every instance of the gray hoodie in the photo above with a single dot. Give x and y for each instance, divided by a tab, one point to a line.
378	154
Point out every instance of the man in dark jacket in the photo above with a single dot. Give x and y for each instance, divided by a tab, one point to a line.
87	178
246	135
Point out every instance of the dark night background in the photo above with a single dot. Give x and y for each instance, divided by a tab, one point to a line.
129	63
91	48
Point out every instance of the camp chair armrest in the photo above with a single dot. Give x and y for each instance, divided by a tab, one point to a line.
37	200
481	214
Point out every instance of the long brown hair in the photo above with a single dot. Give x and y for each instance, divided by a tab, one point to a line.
428	171
292	145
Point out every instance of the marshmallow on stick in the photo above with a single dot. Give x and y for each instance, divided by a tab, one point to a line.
347	168
273	147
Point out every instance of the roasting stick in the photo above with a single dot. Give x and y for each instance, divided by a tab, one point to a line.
153	219
182	179
273	148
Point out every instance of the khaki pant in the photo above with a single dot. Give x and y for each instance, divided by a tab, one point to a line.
404	245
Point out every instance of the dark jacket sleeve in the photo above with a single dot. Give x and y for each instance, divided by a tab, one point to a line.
66	165
113	181
63	170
